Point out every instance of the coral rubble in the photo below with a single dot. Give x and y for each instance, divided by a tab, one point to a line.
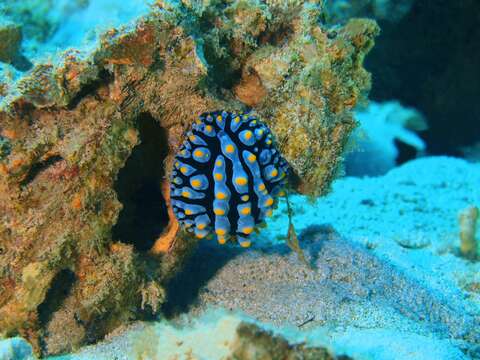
215	335
87	142
219	335
468	219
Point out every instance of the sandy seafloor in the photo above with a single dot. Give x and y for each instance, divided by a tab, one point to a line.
388	281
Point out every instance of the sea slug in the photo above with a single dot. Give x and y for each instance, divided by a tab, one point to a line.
226	177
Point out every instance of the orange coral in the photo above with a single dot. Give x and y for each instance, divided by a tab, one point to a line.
165	242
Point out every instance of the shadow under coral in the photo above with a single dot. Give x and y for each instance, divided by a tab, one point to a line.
209	259
184	288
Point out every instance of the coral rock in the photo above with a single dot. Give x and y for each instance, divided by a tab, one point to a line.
86	143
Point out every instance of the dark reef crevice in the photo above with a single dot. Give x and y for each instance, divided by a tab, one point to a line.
405	152
39	167
144	215
60	288
104	77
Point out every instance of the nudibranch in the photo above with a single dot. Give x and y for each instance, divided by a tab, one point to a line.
227	177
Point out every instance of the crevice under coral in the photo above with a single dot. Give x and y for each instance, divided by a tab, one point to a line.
144	215
61	286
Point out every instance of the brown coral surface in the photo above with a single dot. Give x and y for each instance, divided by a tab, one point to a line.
86	145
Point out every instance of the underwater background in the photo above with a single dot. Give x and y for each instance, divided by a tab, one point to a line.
239	179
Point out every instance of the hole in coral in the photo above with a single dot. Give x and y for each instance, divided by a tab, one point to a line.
60	288
144	214
222	73
104	77
277	36
40	167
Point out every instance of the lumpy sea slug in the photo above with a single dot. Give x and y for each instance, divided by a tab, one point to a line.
227	176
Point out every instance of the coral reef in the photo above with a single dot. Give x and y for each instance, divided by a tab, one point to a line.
51	25
87	144
32	16
310	87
